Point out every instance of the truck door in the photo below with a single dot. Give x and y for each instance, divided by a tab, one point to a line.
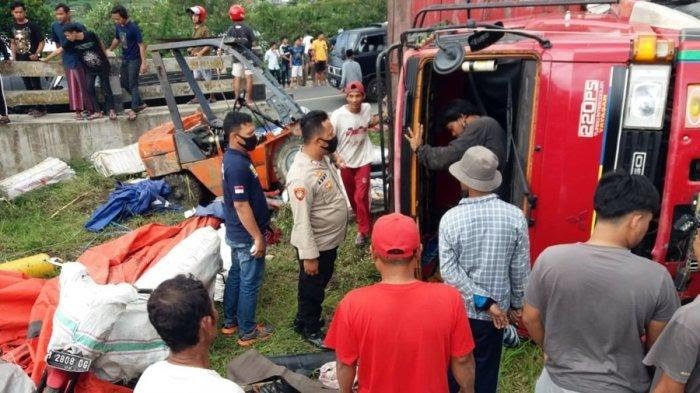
578	112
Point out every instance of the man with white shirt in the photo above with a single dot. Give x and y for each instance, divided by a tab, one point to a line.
351	122
183	315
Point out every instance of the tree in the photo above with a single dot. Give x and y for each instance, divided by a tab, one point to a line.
167	19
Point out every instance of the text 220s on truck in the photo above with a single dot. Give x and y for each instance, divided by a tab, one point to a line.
580	88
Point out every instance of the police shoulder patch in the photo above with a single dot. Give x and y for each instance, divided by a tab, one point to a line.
300	193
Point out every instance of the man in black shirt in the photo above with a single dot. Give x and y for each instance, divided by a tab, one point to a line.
91	53
26	45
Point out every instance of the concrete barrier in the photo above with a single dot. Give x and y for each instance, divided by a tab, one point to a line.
27	141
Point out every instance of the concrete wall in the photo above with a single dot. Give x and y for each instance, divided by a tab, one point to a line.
26	141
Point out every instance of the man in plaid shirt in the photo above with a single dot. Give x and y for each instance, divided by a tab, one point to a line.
484	253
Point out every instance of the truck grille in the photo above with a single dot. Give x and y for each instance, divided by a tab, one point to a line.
334	70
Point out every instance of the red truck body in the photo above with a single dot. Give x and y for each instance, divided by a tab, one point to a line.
613	91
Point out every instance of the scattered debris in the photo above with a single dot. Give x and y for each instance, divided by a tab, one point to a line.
251	369
50	171
68	204
128	200
113	162
33	266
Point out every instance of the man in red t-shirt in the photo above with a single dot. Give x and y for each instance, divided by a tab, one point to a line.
402	334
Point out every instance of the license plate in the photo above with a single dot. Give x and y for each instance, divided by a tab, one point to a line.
68	362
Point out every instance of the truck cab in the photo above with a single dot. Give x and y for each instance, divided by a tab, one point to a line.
580	89
366	43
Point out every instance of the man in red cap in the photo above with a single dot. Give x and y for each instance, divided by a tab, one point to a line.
354	156
402	334
240	29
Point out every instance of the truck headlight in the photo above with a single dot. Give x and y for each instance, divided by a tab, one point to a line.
692	107
646	96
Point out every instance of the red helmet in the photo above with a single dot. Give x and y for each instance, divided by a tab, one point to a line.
199	11
236	13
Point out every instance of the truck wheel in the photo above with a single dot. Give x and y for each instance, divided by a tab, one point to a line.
186	191
371	90
284	156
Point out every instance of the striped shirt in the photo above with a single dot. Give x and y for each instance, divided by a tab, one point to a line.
485	251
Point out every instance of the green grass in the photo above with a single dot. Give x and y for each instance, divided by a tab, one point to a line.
26	229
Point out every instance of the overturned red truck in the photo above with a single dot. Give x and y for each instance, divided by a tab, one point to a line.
581	88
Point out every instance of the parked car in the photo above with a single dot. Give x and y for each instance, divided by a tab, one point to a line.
366	42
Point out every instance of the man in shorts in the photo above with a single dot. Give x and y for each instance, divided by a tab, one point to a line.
240	29
320	48
297	60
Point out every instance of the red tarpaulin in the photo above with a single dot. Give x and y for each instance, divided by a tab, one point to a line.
28	304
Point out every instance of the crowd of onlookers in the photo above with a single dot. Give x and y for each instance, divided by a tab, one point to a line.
85	58
606	319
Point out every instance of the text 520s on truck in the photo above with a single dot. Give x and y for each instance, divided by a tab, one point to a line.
580	87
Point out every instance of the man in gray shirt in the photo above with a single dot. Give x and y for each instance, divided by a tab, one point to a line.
676	354
469	128
589	304
351	70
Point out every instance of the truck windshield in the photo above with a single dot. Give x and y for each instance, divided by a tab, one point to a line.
346	40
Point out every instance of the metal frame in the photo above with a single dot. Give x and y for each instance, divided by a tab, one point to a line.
544	43
501	4
288	110
188	151
384	56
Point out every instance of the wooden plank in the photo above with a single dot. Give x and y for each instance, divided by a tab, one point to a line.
48	97
53	68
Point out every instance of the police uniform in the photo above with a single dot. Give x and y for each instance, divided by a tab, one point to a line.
320	220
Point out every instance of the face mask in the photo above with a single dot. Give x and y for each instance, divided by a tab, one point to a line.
332	144
249	143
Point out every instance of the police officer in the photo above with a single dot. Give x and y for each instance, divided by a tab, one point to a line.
320	218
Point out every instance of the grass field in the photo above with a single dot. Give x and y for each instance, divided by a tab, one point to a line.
26	229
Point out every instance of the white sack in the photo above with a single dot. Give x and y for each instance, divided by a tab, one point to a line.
197	254
122	161
49	171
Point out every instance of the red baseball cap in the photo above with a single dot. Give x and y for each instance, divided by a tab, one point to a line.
355	86
395	236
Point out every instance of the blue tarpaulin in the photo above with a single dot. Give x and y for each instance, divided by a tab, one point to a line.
128	200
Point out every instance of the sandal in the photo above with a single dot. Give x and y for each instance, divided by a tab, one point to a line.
78	116
141	107
4	120
130	115
112	114
95	115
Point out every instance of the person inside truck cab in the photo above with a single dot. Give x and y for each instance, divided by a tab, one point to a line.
462	119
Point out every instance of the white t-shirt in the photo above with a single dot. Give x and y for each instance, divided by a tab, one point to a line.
353	141
307	43
172	378
272	59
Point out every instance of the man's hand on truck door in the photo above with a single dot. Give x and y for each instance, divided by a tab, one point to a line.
414	138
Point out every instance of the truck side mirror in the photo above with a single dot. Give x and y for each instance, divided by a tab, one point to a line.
449	58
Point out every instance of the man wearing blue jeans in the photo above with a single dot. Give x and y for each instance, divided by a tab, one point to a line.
134	62
247	218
